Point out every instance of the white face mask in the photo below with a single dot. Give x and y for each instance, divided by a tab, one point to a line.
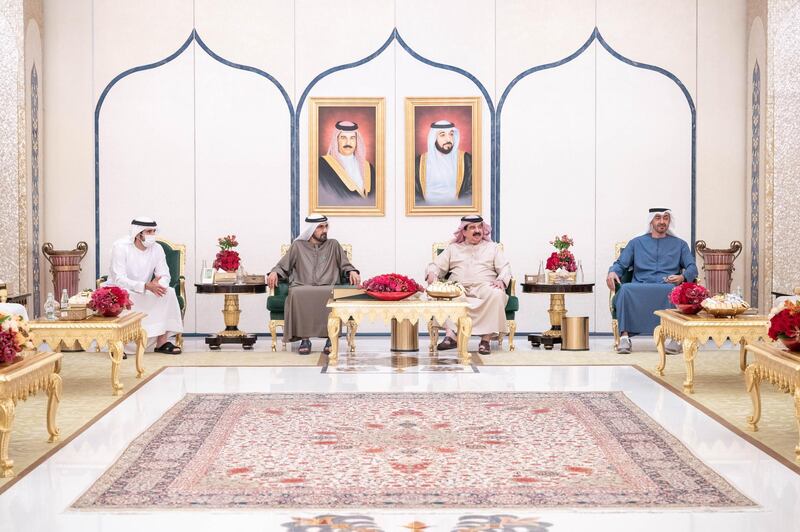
149	240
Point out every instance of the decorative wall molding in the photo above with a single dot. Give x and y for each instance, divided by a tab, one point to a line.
295	112
755	184
35	251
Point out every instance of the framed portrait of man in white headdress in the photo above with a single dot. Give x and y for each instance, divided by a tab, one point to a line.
443	156
346	156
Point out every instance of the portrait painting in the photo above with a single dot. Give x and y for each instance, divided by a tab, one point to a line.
346	156
443	156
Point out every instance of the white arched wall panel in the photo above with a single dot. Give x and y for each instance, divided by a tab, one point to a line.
242	135
328	34
658	33
257	33
416	234
535	33
547	184
643	159
128	34
373	237
147	158
462	35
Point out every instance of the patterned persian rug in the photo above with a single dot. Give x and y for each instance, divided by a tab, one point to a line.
400	450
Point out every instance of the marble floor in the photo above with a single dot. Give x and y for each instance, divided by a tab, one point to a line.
41	499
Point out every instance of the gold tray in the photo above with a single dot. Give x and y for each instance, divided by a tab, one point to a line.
442	295
725	312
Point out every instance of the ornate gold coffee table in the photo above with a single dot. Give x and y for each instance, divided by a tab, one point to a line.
692	330
413	309
37	371
111	332
781	368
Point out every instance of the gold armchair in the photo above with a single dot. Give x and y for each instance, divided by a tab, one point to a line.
277	300
511	307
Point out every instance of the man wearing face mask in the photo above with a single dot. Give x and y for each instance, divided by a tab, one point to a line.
138	265
478	264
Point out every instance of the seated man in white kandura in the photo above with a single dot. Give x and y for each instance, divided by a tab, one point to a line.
138	265
478	264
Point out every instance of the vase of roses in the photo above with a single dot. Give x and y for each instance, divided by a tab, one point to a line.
391	287
687	297
227	259
110	301
561	265
14	338
784	325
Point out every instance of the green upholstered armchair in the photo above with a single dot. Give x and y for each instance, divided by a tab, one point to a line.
277	300
176	262
612	296
511	307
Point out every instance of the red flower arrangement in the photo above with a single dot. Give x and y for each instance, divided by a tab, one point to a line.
563	258
227	259
785	325
688	296
391	283
13	337
110	301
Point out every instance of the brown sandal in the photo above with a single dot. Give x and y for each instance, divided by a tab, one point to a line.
446	344
483	348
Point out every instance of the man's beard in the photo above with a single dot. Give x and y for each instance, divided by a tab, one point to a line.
321	238
443	149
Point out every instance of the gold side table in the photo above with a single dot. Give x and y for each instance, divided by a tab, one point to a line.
111	332
779	367
694	329
18	381
413	309
557	310
230	313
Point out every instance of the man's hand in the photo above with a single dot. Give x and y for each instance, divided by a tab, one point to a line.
355	279
676	279
156	288
612	280
497	283
431	278
272	280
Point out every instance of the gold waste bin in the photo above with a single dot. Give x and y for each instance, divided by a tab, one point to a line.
575	333
405	336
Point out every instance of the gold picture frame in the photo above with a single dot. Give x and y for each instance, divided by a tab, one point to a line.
338	194
464	114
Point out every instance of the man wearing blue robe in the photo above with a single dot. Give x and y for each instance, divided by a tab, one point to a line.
659	261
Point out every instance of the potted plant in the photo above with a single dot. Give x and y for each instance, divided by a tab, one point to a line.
561	265
13	338
110	301
784	325
687	297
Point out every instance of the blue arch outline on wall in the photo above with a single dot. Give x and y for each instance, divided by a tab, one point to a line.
194	36
294	116
395	35
597	35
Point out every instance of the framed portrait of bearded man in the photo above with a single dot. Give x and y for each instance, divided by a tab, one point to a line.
346	156
443	156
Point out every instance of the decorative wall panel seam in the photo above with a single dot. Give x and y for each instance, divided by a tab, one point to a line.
35	257
754	185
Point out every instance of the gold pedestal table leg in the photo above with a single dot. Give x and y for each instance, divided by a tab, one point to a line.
556	311
334	326
6	421
231	334
53	399
464	332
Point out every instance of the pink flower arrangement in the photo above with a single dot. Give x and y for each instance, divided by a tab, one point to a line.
688	294
13	337
391	282
227	259
110	301
563	257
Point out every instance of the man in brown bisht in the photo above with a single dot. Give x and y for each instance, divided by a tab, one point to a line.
478	264
313	264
